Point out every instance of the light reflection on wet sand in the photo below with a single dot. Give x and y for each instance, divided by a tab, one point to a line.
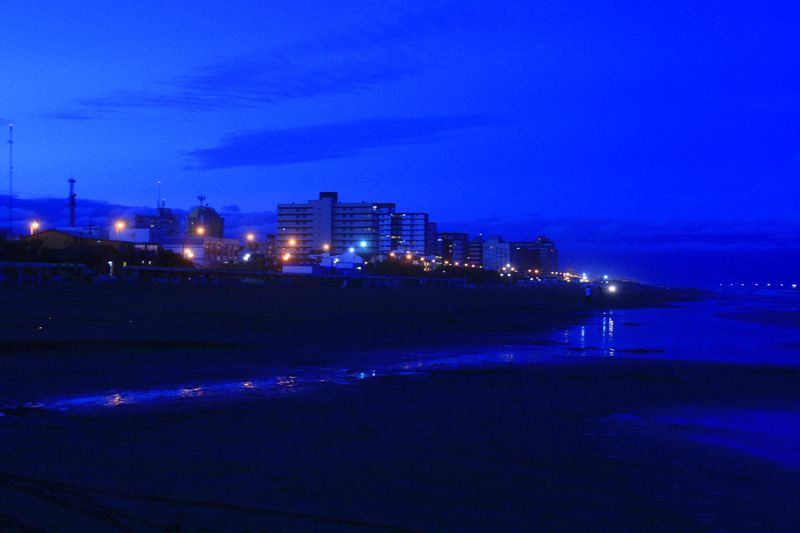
690	332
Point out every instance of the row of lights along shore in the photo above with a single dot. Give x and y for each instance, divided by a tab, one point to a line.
792	285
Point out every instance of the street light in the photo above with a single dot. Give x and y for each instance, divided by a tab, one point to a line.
326	247
250	237
292	242
34	226
200	230
119	226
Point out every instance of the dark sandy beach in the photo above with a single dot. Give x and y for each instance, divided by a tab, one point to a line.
589	445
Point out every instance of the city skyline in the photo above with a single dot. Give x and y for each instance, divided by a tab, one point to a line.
628	142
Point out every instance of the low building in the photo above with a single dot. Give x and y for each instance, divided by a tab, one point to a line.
206	251
104	256
129	234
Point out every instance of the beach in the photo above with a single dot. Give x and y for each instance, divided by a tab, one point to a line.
589	443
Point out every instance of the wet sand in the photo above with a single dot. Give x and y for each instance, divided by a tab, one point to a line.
72	340
592	444
577	447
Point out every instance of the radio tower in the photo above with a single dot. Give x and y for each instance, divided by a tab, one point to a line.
10	180
71	202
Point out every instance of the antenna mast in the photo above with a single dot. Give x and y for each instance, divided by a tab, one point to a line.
71	202
158	200
10	180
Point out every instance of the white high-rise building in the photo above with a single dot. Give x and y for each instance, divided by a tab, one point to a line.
332	226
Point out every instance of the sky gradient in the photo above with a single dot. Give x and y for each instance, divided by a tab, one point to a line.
659	140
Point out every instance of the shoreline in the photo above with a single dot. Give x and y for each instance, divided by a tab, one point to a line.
66	341
474	448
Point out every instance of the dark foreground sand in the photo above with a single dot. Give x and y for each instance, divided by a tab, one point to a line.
576	446
550	447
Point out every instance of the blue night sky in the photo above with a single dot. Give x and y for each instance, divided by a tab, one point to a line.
653	139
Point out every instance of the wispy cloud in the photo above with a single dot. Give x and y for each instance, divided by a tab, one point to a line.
70	115
335	63
327	141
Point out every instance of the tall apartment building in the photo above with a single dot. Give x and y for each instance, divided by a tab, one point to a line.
539	255
329	225
496	253
404	233
475	252
452	247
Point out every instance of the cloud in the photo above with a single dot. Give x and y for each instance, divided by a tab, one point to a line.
333	63
327	141
70	115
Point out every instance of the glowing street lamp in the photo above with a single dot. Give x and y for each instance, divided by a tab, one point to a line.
286	257
292	242
363	244
119	226
200	230
326	247
250	237
34	226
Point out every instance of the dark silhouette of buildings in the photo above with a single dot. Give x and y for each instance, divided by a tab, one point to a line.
535	257
163	225
204	221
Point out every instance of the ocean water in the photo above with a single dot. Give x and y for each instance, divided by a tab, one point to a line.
742	328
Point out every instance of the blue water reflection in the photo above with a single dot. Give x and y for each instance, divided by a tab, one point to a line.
698	331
